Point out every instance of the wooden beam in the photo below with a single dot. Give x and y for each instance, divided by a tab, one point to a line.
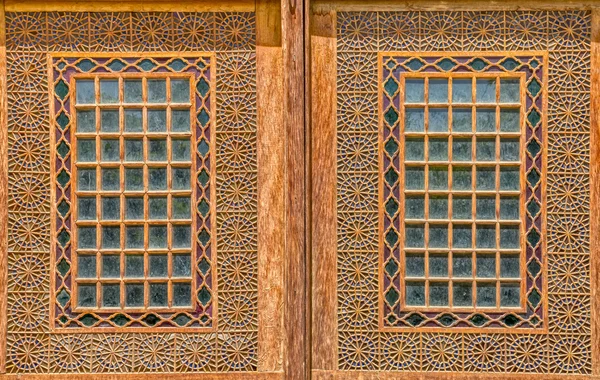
3	193
130	5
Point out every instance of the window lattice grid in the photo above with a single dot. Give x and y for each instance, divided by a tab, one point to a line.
133	200
462	191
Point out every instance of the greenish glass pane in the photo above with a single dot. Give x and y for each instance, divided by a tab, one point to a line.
533	177
390	87
438	119
415	265
180	120
414	149
157	238
438	149
157	150
509	236
486	266
486	90
462	294
134	179
134	295
486	207
181	150
86	266
486	294
510	295
111	295
86	121
486	149
86	208
158	295
414	207
109	120
415	178
134	266
109	91
182	236
462	120
110	179
510	266
134	237
182	294
134	208
415	293
534	87
391	147
510	120
180	91
414	120
390	116
509	208
510	149
182	265
110	150
438	294
462	91
510	178
414	90
462	236
438	236
132	89
438	207
86	150
510	90
158	265
134	150
438	265
86	295
462	265
181	208
86	237
438	178
534	117
486	120
181	178
157	90
486	236
438	90
133	120
462	149
414	235
157	120
111	237
157	179
111	208
85	91
111	266
157	207
462	178
486	178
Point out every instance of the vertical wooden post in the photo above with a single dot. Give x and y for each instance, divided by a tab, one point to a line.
3	193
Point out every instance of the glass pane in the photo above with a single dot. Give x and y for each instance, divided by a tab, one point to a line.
509	208
462	207
109	121
414	120
86	179
486	207
109	91
85	91
134	208
414	90
510	295
111	266
157	237
486	294
181	208
157	179
182	236
133	120
486	90
438	207
438	120
415	293
438	178
486	120
111	179
111	237
157	91
86	266
180	90
438	90
486	178
110	150
462	178
462	236
462	294
86	208
510	90
414	149
509	149
486	266
134	295
111	295
86	150
438	294
132	89
462	149
415	265
157	121
158	265
181	150
157	150
157	208
134	179
486	149
462	265
486	236
509	237
182	266
510	179
415	178
510	120
158	295
134	266
134	237
415	236
438	265
462	90
86	121
462	120
86	295
182	294
86	237
181	178
510	266
180	121
134	150
414	207
438	149
111	208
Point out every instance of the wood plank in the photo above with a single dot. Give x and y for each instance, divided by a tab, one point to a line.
130	5
151	376
271	197
3	192
323	189
384	375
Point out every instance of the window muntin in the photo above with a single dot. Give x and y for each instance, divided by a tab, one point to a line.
134	194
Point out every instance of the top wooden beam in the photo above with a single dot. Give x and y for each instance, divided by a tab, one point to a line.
129	5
